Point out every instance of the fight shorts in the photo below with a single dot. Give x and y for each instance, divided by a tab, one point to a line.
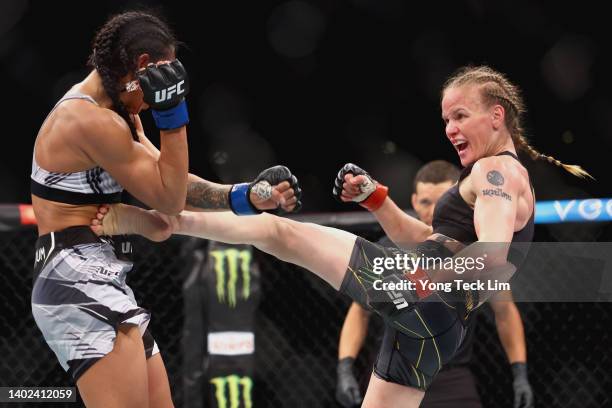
423	330
80	297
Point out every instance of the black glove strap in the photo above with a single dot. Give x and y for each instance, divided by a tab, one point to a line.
519	370
345	365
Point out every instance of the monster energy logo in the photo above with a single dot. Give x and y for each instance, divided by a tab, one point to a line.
235	260
235	385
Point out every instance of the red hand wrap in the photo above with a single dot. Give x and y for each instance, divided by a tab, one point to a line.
417	277
376	199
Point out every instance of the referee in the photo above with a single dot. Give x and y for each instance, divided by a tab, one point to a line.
454	386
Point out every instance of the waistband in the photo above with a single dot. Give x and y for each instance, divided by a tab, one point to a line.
48	245
449	244
69	237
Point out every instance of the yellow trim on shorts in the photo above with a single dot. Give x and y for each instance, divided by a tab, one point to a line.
432	338
364	256
416	374
359	280
452	307
407	329
420	352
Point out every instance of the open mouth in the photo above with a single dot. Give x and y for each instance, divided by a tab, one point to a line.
461	146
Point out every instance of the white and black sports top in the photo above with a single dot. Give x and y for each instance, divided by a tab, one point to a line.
91	186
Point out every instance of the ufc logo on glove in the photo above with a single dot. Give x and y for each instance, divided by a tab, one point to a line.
166	94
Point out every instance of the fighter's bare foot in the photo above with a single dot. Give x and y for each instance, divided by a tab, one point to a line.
120	219
105	221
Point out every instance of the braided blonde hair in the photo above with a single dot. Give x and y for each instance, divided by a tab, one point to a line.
495	88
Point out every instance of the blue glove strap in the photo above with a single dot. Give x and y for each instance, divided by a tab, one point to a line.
172	118
239	200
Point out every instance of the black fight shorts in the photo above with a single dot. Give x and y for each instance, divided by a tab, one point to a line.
422	334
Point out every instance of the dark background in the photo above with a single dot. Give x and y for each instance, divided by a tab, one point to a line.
314	84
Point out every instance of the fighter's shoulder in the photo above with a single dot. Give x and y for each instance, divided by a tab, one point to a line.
499	170
101	126
108	121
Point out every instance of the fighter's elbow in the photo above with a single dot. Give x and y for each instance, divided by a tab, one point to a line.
170	206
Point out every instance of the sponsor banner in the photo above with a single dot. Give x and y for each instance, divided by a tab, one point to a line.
233	391
592	209
232	268
231	343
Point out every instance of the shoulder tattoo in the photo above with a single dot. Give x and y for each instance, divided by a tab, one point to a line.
495	177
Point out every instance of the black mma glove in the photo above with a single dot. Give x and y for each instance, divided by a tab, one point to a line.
239	195
347	389
164	87
372	195
523	394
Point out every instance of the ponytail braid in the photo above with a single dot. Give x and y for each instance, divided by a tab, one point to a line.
104	59
575	170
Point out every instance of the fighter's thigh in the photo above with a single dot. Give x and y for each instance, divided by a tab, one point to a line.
322	250
328	251
159	386
119	379
384	394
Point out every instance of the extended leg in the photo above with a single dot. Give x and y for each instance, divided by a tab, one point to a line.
322	250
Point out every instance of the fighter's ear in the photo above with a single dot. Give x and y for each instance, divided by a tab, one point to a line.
498	115
143	61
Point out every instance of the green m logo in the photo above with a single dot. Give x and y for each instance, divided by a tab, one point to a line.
228	391
228	263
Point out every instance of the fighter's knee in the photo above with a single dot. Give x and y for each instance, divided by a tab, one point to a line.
280	234
284	231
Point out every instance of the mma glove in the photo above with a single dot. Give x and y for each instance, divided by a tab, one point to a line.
164	87
347	389
239	195
523	394
372	194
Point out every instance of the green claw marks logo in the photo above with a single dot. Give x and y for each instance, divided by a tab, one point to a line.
229	262
228	390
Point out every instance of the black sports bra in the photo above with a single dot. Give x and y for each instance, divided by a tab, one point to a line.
454	218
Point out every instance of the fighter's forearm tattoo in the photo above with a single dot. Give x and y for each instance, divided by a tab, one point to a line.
207	196
497	179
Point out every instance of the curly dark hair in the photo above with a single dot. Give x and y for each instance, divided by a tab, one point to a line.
117	46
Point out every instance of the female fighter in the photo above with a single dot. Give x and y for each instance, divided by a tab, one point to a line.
490	207
91	147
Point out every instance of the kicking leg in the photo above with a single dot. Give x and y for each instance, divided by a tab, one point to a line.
322	250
